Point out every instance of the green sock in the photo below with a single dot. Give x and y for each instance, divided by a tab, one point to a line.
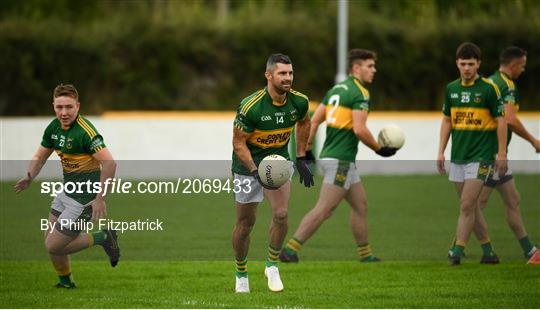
293	246
487	249
457	250
99	237
241	267
526	245
272	258
65	280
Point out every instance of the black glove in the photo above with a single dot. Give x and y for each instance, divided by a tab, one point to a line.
255	174
306	177
386	151
310	157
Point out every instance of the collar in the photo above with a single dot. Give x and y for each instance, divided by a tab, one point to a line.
278	104
471	83
505	75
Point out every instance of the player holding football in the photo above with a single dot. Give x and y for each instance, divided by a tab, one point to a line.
474	117
263	126
345	109
84	157
512	63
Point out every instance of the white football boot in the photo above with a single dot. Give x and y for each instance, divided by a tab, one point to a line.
274	281
242	285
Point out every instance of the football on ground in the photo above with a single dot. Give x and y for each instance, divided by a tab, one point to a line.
274	170
391	136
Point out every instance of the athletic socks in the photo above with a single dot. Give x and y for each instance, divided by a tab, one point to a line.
365	253
97	237
241	267
293	246
487	249
526	245
65	280
272	257
458	248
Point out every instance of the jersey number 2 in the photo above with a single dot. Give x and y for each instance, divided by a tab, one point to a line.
334	102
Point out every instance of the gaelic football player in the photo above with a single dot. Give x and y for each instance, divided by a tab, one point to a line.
474	118
263	126
345	109
512	63
84	157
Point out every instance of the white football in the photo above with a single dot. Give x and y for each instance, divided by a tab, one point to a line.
274	170
391	136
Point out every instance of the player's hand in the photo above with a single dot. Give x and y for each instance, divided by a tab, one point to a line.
310	157
306	177
99	209
536	145
440	164
255	174
501	166
386	151
23	183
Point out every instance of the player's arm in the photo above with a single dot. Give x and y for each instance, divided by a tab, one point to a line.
108	170
361	131
302	160
241	150
515	124
502	135
316	121
302	135
38	161
444	136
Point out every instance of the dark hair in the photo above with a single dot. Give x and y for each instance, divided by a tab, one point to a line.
468	50
277	58
66	90
510	53
360	54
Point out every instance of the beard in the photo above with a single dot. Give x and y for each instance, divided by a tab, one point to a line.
283	87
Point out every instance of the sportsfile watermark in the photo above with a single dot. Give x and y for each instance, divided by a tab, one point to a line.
120	186
102	224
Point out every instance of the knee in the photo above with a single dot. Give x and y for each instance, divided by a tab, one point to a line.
280	216
326	214
361	208
245	225
482	202
467	206
53	247
513	202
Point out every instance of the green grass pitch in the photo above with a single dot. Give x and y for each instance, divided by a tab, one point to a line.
189	265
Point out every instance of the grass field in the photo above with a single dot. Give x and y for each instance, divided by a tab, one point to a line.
189	264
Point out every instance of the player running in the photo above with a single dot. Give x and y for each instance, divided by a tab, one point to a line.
263	125
84	158
512	63
345	109
473	116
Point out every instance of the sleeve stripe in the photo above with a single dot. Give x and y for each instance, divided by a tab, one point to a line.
494	86
508	82
86	128
363	90
252	101
299	94
97	149
83	121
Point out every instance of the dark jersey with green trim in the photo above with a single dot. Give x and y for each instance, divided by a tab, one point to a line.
472	109
75	147
341	142
269	123
509	92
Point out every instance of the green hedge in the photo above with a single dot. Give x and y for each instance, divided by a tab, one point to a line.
181	57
